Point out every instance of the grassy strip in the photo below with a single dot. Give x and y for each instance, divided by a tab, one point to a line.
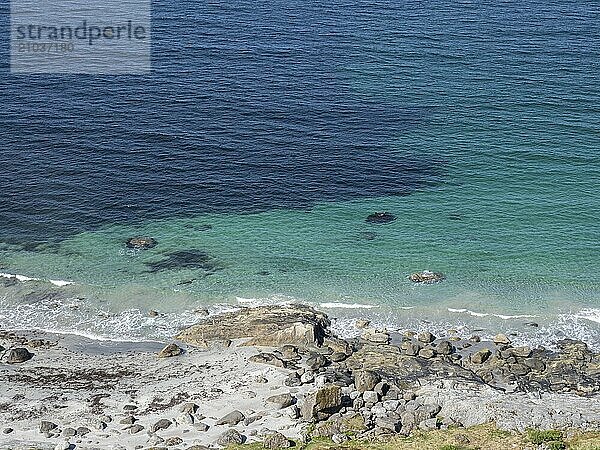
482	437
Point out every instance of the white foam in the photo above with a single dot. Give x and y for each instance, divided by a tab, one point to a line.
590	314
332	305
24	278
500	316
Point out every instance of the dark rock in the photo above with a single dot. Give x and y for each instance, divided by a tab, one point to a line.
380	217
233	418
129	420
276	441
170	350
426	277
338	357
82	431
173	441
69	432
186	259
316	361
7	430
531	324
231	436
141	242
19	355
162	424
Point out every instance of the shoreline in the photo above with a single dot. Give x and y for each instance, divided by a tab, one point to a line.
268	364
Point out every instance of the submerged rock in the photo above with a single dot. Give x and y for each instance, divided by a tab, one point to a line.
141	242
271	326
426	277
380	217
185	259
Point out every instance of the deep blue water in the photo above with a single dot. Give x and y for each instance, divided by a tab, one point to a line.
477	123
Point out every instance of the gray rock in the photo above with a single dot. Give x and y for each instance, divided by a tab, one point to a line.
18	355
408	396
502	339
428	424
276	441
427	353
189	408
69	432
46	426
201	426
185	419
339	438
410	348
365	380
316	361
370	397
338	357
129	420
82	431
374	336
231	436
173	441
135	428
7	430
233	418
391	405
281	401
65	445
387	424
162	424
307	377
268	358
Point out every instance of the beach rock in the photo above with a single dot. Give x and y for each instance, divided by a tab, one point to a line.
427	353
69	432
189	408
322	403
410	348
82	431
141	242
281	401
481	356
7	430
185	419
426	337
231	436
365	380
272	326
501	339
276	441
18	355
316	361
46	426
170	350
65	445
362	323
338	357
380	217
370	397
162	424
201	426
445	348
268	358
173	441
134	429
426	277
374	336
233	418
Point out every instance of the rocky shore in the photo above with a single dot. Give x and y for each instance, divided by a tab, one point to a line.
279	376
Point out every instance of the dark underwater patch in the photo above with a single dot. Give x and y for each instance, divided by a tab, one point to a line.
186	259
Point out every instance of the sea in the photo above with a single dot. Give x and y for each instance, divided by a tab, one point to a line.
267	132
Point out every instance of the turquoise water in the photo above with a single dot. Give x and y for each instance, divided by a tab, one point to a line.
477	125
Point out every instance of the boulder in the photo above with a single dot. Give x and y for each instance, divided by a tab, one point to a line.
426	277
375	336
481	356
233	418
281	401
170	350
19	355
501	339
162	424
365	380
426	337
276	441
231	436
268	358
141	242
272	326
322	403
380	217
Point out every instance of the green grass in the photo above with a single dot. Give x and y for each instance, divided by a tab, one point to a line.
544	436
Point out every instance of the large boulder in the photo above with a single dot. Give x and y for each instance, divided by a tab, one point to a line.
19	355
271	326
322	403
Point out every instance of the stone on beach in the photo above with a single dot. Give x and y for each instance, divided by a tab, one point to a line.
276	441
281	401
170	351
233	418
162	424
19	355
231	436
